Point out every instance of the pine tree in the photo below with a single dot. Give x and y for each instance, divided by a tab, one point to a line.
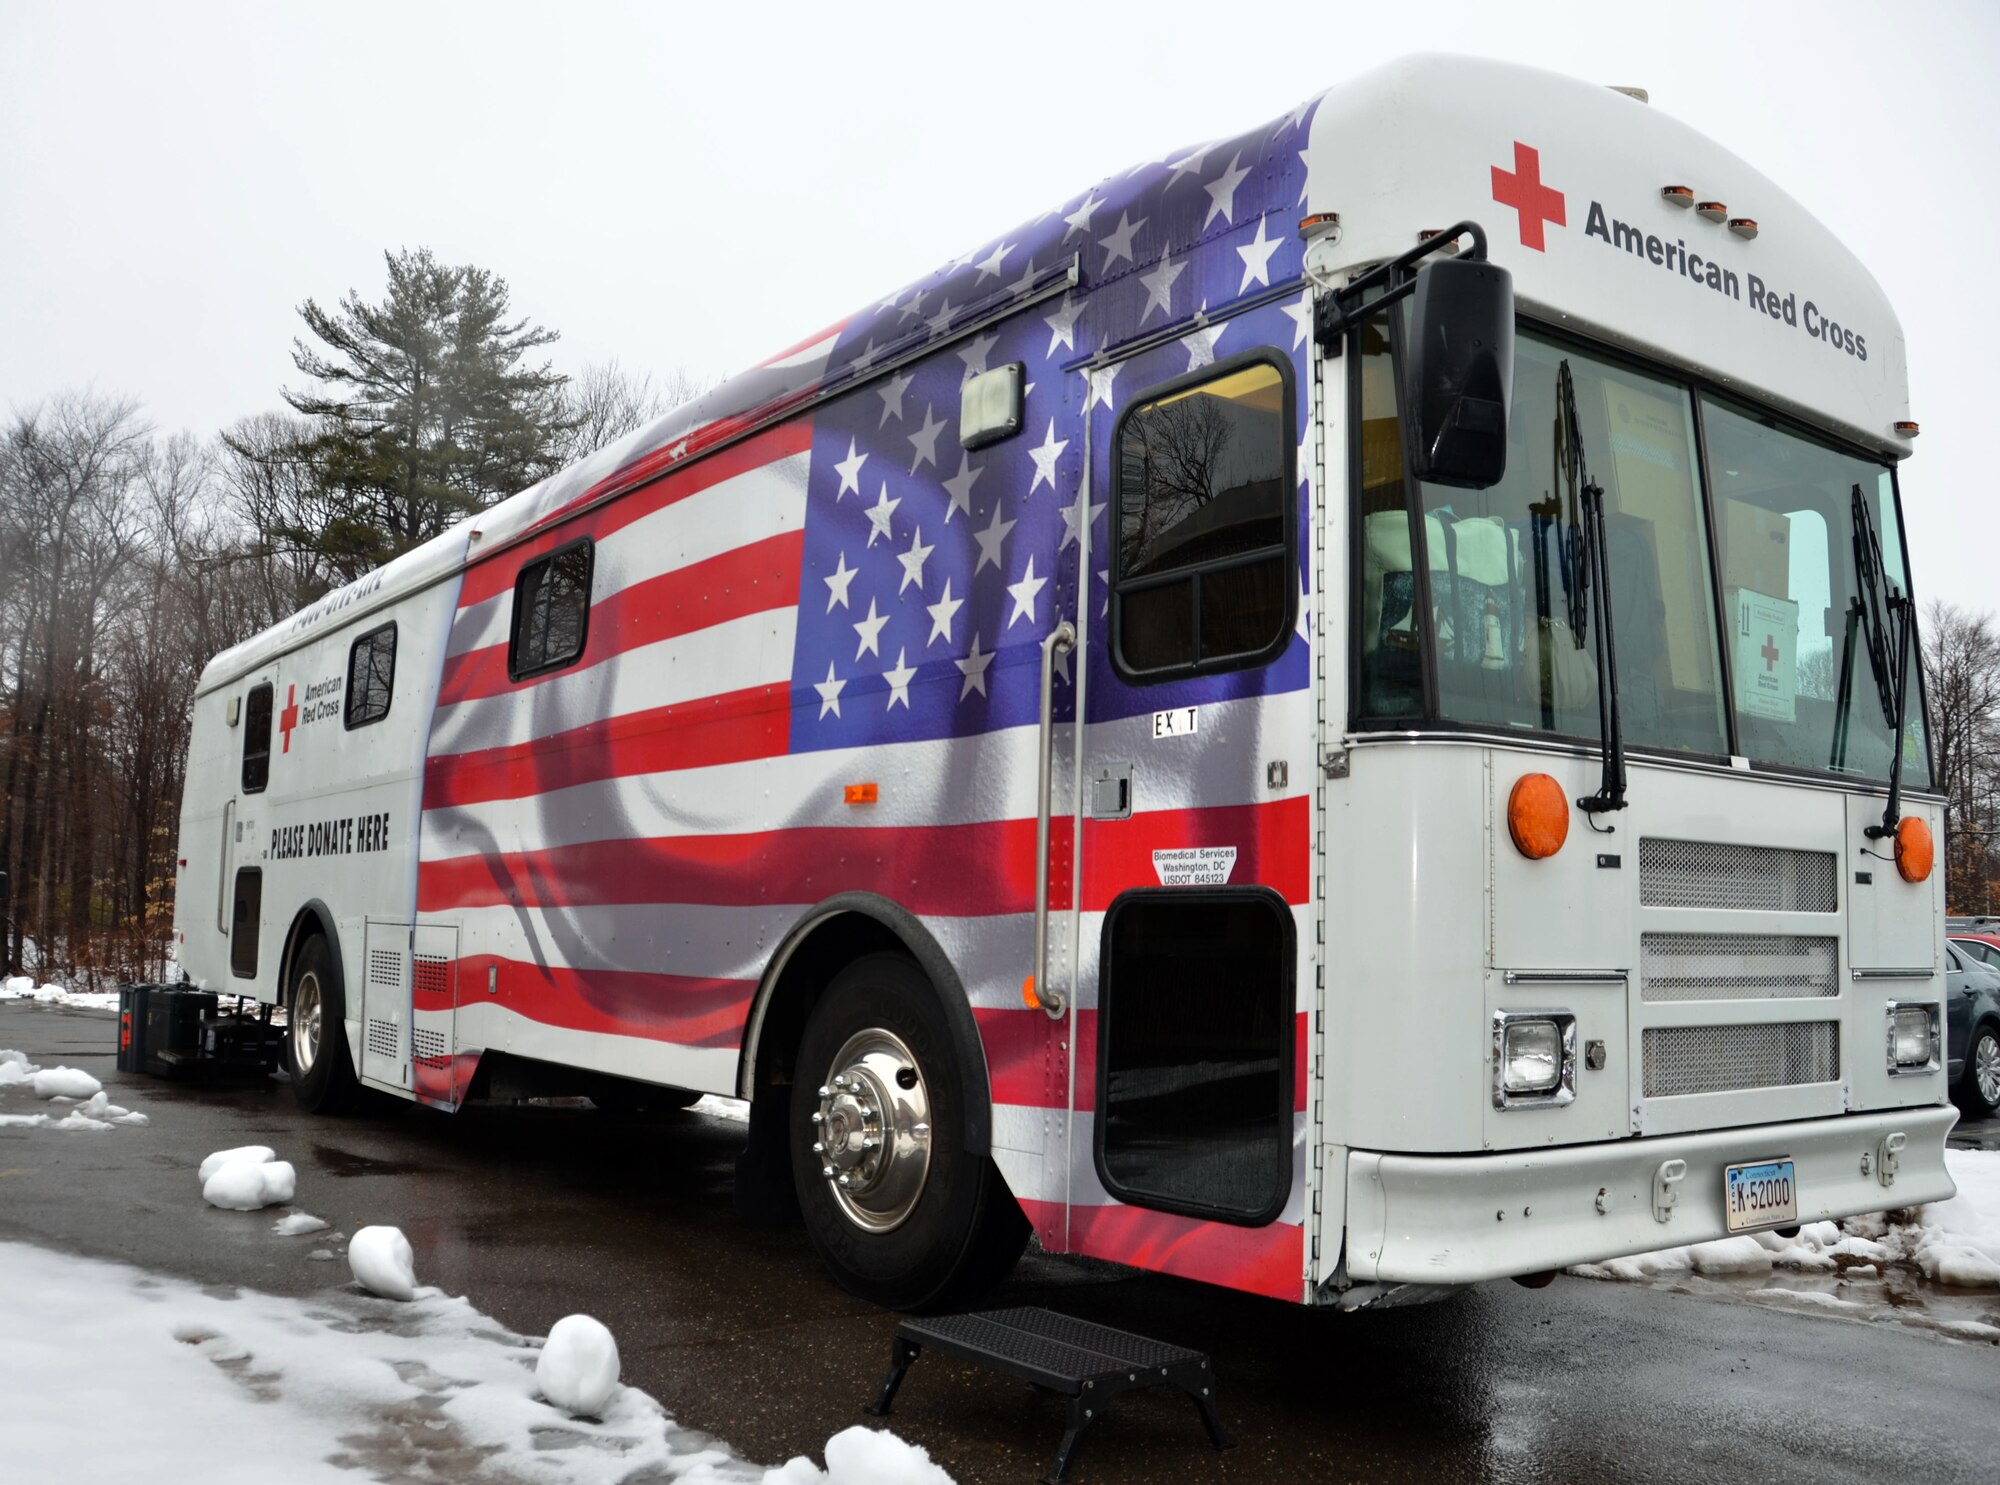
426	411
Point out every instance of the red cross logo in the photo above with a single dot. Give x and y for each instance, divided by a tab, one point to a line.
1522	189
289	717
1770	652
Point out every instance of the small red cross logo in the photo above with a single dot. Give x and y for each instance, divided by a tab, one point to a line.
289	717
1522	189
1770	652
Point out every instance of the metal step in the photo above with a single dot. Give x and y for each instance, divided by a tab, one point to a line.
1085	1362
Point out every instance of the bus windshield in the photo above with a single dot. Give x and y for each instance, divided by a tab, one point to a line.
1512	633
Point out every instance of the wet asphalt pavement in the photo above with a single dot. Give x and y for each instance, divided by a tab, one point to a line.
534	1212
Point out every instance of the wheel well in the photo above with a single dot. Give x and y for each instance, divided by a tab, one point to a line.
828	939
313	918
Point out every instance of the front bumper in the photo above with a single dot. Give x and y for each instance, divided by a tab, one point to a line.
1463	1219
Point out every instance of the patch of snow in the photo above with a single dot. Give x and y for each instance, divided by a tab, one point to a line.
382	1263
718	1107
1954	1242
578	1367
242	1388
322	1255
65	1082
1812	1299
23	1121
863	1456
15	1068
253	1154
246	1185
297	1224
20	987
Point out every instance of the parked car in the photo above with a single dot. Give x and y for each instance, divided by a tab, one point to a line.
1972	1021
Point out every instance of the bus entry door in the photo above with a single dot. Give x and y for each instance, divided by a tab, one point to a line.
1195	776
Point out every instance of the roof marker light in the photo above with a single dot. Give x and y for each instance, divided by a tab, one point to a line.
861	794
1677	196
1905	429
1318	222
1743	227
1715	211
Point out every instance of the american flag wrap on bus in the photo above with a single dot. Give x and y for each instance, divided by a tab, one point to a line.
794	600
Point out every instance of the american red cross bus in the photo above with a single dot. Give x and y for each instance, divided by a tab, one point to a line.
1332	716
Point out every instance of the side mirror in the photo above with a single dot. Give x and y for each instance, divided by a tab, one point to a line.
1458	375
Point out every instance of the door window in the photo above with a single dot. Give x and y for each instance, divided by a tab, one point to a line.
245	914
1206	575
257	739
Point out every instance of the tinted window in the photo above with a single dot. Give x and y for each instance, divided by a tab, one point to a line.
245	914
551	612
371	676
1205	575
257	739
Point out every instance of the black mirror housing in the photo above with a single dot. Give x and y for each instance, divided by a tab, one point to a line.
1458	373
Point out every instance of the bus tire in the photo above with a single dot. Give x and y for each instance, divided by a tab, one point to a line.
316	1052
921	1222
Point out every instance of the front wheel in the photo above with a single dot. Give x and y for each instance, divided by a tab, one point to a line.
897	1208
1979	1088
316	1053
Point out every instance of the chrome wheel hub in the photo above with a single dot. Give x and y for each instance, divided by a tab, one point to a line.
871	1134
305	1018
1986	1068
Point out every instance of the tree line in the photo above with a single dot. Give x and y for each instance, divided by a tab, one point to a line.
130	557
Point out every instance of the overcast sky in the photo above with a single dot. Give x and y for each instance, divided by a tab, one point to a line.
683	186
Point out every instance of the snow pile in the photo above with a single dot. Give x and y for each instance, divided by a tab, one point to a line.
718	1107
254	1153
65	1082
578	1367
15	1067
99	1112
247	1178
863	1456
297	1224
328	1391
20	987
382	1263
1954	1242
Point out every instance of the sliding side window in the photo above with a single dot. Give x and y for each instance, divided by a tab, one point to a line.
1206	569
551	612
371	676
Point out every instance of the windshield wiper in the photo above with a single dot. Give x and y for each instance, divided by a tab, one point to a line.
1593	585
1881	616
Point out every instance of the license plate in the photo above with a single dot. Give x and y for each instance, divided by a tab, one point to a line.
1762	1195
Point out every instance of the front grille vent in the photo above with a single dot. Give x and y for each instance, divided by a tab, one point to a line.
1728	1059
1707	874
1737	966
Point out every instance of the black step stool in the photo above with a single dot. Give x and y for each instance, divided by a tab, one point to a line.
1088	1364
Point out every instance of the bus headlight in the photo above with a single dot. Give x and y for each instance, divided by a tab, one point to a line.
1913	1037
1534	1058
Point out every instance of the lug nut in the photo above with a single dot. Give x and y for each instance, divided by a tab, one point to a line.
826	1171
818	1118
844	1181
871	1143
819	1148
824	1091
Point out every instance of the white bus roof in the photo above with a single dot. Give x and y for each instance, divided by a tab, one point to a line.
1565	176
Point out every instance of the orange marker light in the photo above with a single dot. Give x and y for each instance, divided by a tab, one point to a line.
1537	816
860	794
1914	851
1028	996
